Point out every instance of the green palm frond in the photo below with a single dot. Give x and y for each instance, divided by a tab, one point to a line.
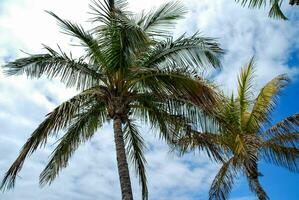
171	83
275	11
245	90
135	149
106	11
255	186
294	2
191	51
224	180
286	126
288	139
275	6
172	115
72	72
157	116
205	141
253	3
90	44
266	101
82	129
57	120
283	156
230	113
281	143
160	22
121	41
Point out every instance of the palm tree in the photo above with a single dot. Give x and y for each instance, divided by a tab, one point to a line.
275	6
241	135
132	70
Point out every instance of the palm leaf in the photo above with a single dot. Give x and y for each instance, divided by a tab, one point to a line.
280	155
275	10
81	130
244	90
224	180
91	44
135	148
179	85
106	11
256	187
294	2
252	176
121	40
265	102
285	132
155	114
57	120
190	52
72	72
205	141
159	22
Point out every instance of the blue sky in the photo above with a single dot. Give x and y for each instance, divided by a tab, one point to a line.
92	171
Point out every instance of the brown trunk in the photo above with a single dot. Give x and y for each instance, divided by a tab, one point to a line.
122	164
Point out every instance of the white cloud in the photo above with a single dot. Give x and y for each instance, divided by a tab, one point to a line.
92	171
244	33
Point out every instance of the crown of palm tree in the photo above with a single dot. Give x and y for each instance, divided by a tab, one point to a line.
132	70
239	136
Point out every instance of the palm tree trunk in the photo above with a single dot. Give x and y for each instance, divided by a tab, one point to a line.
122	164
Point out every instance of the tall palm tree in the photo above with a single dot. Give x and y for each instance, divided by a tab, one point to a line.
132	70
275	6
241	135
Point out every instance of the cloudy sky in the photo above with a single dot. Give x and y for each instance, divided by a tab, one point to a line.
92	173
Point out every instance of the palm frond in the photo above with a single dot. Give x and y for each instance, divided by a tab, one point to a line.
275	10
106	11
256	187
82	129
87	40
159	22
265	102
205	141
230	114
72	72
253	3
180	85
185	51
57	120
244	89
121	41
224	180
294	2
280	155
156	114
135	148
286	139
285	132
254	183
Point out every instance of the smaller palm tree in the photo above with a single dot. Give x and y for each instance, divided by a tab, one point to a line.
275	6
239	136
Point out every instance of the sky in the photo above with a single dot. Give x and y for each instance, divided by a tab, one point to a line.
92	172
